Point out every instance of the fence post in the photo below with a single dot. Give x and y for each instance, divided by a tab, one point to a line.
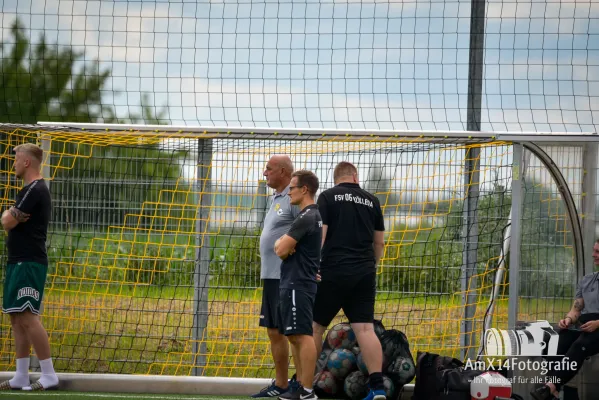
46	145
469	254
261	203
202	261
589	202
515	242
471	176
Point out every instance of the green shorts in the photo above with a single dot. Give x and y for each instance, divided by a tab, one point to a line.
24	287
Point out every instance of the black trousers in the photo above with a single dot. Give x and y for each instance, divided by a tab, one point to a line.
576	346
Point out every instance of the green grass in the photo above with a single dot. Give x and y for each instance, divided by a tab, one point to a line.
150	334
140	319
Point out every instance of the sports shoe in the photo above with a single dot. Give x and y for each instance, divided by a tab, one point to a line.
304	395
6	386
299	394
376	395
542	392
293	383
270	391
37	386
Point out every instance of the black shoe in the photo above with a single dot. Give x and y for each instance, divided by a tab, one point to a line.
299	394
270	391
304	395
293	383
542	393
292	394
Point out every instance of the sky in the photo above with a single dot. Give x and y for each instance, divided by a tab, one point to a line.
370	64
399	65
335	64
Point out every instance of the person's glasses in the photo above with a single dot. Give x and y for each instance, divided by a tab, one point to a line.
294	187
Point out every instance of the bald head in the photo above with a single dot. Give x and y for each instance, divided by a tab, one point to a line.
283	162
278	172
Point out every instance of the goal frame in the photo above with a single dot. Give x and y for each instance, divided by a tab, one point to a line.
582	222
525	143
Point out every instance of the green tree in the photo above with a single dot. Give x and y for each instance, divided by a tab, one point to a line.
45	82
94	186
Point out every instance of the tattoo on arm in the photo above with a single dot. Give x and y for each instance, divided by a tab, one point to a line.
18	214
579	304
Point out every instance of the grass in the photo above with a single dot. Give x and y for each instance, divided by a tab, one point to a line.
150	332
106	318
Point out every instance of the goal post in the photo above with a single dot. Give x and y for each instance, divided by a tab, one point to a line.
154	239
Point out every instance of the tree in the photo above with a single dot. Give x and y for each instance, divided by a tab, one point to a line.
45	82
94	185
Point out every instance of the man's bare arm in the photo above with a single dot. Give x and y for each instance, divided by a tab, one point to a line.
285	246
576	310
379	245
12	217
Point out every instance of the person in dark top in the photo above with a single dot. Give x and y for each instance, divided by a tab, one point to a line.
26	224
353	244
299	249
578	337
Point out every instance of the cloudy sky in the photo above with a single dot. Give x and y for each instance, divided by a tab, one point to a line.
335	64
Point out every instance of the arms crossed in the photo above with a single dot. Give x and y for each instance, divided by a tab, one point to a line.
12	217
285	246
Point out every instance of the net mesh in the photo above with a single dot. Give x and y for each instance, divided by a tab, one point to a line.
382	64
154	242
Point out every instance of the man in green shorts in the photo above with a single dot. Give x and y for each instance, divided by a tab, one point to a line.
26	224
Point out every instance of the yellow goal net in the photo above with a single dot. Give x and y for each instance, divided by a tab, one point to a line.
154	240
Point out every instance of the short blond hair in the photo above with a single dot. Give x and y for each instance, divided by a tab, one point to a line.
31	149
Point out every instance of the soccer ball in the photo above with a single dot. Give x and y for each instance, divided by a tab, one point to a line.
404	368
389	386
327	383
355	386
341	362
362	365
341	336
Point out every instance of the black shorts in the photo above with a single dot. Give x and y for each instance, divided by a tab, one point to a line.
295	312
269	313
355	296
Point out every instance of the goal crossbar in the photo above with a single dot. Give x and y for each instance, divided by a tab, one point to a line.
260	132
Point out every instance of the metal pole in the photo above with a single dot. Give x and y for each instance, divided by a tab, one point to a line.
261	203
475	64
208	132
46	145
472	178
589	202
501	266
469	254
515	242
202	262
